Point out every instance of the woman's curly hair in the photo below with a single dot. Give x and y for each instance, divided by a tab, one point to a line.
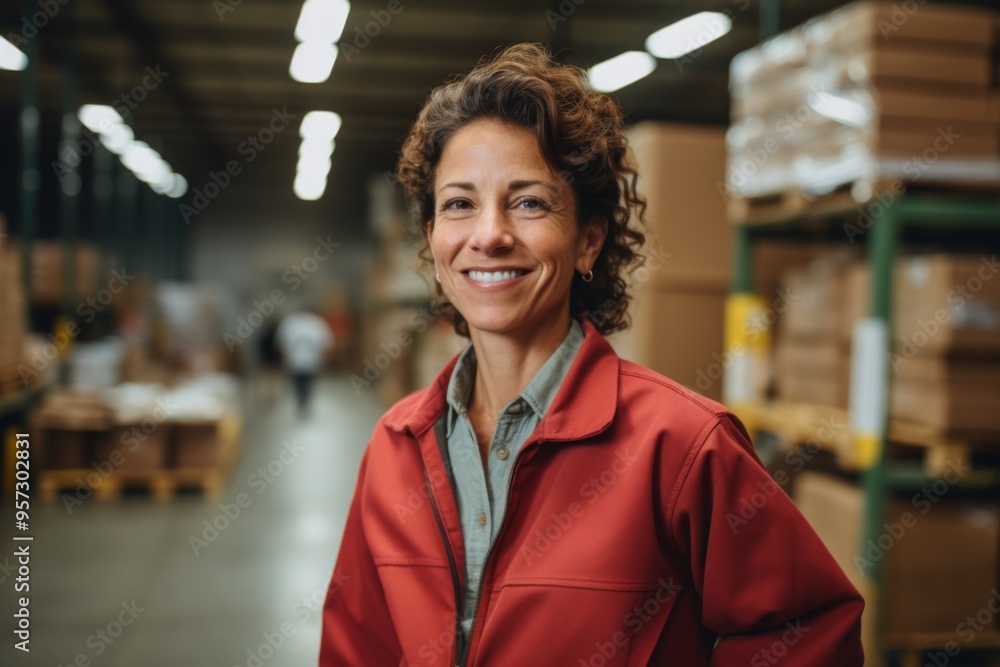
580	132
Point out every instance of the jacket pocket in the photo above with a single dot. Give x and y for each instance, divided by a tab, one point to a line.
575	622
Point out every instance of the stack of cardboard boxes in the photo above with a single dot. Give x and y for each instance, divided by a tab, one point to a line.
135	434
12	313
679	295
48	268
945	364
941	556
812	350
945	359
867	97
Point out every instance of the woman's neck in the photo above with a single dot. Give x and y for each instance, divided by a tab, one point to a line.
507	362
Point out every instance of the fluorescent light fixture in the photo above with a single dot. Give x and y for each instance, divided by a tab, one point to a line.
157	173
320	126
312	62
118	138
142	160
11	57
621	70
99	117
840	109
309	186
687	35
322	21
178	188
314	164
311	148
162	185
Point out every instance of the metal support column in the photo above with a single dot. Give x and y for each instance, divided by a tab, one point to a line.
103	189
70	182
31	179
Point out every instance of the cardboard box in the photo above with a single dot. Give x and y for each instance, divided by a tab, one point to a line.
940	559
829	390
815	372
919	64
677	331
963	29
73	410
817	295
63	449
197	445
137	448
681	172
902	101
947	305
953	407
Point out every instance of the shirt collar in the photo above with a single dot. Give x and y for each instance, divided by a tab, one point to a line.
538	394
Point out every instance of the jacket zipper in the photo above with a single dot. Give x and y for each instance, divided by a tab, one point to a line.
463	661
452	565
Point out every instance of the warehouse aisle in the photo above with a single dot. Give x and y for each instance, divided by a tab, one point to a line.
193	583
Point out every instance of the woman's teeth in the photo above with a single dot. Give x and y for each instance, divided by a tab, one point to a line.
495	276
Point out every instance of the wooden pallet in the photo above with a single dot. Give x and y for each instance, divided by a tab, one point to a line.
788	204
828	428
162	484
793	202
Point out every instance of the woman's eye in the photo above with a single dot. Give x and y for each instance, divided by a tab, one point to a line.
455	204
532	204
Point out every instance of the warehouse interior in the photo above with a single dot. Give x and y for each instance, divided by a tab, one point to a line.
180	179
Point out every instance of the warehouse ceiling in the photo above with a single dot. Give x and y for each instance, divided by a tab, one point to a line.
223	71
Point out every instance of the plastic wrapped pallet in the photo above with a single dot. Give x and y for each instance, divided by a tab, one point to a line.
864	95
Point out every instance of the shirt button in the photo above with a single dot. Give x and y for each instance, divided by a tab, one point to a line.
482	518
503	453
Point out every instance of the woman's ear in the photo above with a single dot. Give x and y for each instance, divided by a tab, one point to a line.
592	237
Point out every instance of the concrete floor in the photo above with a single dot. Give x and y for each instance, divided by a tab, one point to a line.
263	575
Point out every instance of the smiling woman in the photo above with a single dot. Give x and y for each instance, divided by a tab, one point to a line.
544	502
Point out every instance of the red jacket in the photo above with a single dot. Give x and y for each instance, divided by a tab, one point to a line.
641	529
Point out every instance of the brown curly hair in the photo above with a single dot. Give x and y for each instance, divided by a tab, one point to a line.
580	132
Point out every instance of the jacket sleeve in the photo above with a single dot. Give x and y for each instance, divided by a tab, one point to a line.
769	588
357	628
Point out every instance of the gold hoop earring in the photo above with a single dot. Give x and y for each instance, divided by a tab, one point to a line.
588	276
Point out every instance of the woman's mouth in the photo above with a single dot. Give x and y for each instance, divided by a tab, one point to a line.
494	279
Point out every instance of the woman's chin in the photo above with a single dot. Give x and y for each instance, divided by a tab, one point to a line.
496	321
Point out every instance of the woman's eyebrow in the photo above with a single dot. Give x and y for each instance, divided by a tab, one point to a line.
464	185
520	185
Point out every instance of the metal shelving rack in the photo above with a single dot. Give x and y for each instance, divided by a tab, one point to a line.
946	217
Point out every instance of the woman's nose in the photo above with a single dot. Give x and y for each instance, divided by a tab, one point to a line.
492	231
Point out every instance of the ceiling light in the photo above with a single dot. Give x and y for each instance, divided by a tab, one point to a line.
312	62
310	148
141	159
320	126
621	70
322	21
309	186
11	57
118	138
178	188
99	117
688	35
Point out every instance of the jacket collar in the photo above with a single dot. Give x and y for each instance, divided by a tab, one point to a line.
584	405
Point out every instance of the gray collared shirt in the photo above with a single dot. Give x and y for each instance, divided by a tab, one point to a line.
482	494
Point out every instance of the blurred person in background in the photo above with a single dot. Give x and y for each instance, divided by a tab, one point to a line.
269	378
304	339
545	502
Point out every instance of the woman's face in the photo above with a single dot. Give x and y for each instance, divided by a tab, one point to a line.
504	237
